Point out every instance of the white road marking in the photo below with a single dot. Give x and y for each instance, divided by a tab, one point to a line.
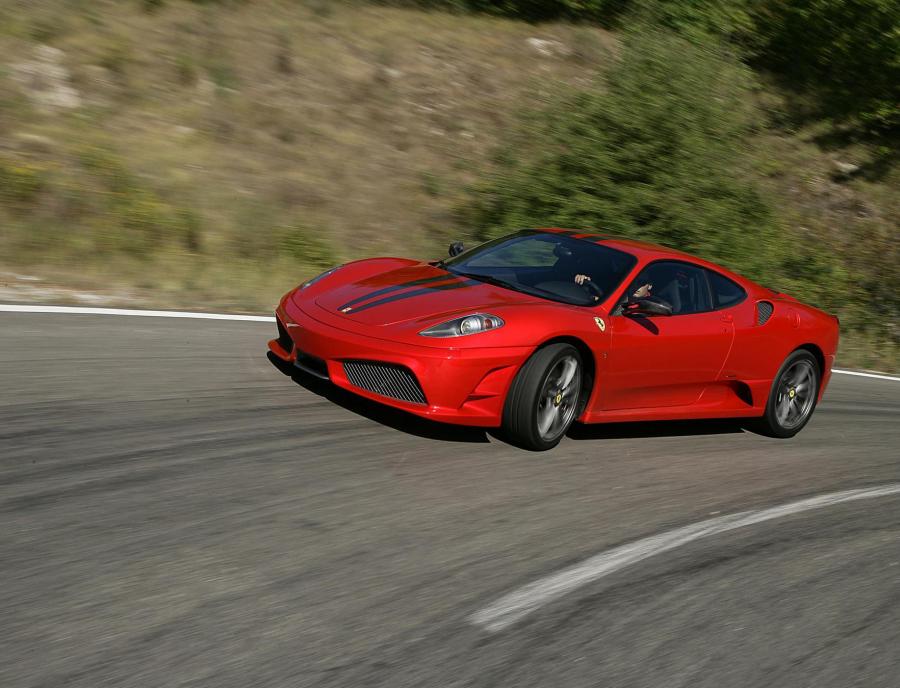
15	308
514	606
80	310
877	376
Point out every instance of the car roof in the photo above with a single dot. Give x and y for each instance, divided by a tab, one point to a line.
644	251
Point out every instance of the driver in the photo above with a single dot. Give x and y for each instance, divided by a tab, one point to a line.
643	291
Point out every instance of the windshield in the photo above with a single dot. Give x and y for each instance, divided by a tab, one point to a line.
546	264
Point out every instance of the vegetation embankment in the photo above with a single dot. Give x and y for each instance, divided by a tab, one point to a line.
212	154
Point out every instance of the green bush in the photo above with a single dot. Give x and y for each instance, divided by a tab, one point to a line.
696	19
151	6
845	52
602	11
297	243
597	10
20	184
654	153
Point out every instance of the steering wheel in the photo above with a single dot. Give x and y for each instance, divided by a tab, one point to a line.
593	288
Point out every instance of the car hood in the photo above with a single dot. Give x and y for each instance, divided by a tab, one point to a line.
419	292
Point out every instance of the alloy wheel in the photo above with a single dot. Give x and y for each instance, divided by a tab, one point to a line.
796	394
558	398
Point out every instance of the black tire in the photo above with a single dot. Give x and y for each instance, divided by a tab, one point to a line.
783	393
529	388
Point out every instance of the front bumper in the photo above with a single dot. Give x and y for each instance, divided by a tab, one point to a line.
466	386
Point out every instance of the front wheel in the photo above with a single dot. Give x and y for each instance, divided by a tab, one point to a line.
543	399
793	396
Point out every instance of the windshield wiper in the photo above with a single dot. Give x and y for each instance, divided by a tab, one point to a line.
521	288
496	281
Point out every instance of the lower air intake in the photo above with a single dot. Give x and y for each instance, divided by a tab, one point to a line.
764	311
386	379
284	339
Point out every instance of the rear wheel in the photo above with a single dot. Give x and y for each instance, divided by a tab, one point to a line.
544	398
793	396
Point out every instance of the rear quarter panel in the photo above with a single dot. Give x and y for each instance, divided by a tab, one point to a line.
759	350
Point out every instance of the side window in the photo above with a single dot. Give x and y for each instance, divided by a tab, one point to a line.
725	292
681	285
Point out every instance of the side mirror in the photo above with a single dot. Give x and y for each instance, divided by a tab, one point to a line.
651	305
456	248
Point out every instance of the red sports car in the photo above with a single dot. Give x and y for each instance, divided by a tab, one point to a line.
540	328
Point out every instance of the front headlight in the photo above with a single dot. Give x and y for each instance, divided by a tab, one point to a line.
466	325
311	282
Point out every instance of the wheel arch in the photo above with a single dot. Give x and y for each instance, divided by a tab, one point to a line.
817	353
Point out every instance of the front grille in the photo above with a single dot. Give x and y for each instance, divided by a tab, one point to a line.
284	339
386	379
764	310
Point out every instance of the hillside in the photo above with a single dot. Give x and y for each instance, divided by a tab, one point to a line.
213	155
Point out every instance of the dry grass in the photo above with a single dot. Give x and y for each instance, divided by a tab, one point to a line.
362	125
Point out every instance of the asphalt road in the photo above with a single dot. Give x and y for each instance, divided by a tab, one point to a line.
178	512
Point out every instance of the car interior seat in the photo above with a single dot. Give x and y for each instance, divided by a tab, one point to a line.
670	292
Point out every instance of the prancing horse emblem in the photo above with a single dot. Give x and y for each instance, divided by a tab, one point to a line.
601	324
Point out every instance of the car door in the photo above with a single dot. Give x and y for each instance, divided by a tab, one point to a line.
664	361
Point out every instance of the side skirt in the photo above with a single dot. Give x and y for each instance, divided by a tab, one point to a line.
726	399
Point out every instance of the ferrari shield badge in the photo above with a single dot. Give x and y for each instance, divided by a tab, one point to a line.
601	324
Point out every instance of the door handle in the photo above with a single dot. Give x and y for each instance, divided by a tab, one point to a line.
728	317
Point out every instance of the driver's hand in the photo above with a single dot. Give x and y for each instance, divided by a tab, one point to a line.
581	279
643	292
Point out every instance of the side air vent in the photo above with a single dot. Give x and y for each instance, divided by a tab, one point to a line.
386	379
764	311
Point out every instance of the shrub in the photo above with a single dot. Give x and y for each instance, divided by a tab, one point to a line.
847	53
115	56
185	70
20	184
223	76
534	10
432	184
151	6
654	153
144	223
602	11
191	230
301	245
697	19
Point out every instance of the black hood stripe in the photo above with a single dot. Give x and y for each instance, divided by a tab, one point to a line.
396	287
415	292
